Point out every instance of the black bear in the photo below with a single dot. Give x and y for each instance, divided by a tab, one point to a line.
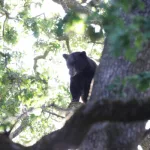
81	70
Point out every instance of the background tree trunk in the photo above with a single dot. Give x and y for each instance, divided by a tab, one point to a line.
118	136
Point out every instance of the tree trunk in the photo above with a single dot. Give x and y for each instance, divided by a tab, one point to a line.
118	136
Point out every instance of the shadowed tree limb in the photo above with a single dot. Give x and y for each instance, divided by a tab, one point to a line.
75	129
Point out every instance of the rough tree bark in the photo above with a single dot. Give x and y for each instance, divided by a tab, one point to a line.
118	136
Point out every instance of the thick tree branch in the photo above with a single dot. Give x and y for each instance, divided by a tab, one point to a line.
85	116
75	129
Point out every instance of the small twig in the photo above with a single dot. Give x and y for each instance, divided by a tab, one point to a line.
19	129
42	14
58	108
39	57
147	132
8	14
68	45
66	39
51	113
96	42
4	54
24	115
21	117
3	32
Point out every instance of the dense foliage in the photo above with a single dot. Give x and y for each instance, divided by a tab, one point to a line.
33	74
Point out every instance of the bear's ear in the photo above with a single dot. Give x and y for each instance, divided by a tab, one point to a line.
83	53
65	56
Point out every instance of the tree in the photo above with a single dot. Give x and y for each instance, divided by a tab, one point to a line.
122	75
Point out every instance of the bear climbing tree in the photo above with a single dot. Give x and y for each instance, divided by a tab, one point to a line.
81	70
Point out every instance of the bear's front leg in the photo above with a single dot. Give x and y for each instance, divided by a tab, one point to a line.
75	90
86	89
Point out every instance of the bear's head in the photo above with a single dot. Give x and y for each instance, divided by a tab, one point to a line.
76	62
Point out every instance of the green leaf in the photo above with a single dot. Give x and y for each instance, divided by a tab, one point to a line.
10	35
